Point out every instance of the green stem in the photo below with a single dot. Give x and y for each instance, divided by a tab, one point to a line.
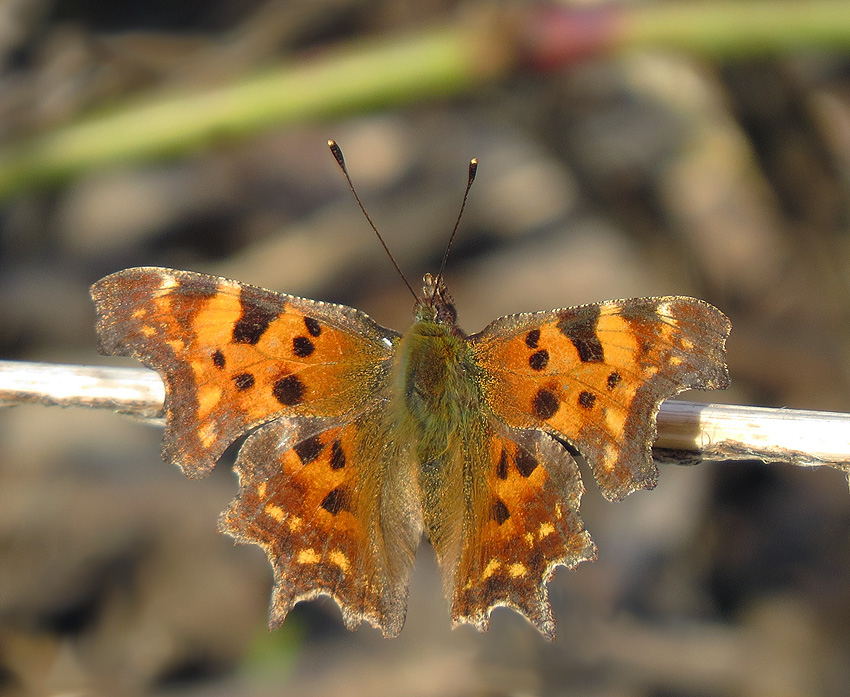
339	82
739	28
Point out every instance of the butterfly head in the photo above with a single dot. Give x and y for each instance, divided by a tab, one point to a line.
436	304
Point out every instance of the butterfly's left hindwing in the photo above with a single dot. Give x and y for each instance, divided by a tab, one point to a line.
233	356
522	523
595	376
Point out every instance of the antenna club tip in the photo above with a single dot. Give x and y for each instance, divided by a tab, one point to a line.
473	168
337	153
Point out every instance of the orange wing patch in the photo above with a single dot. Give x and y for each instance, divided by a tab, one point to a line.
596	375
524	526
234	356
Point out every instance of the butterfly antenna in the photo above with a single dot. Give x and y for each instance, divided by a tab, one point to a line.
340	160
473	168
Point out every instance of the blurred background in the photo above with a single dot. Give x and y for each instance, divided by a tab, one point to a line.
687	165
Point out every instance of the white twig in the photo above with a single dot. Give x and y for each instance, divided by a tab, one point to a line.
688	432
735	432
135	391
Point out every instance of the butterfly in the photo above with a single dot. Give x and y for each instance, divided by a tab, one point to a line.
362	439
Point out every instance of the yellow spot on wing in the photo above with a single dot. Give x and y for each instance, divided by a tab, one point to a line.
308	556
545	529
177	345
517	569
615	420
147	330
337	557
261	490
491	568
208	397
295	522
275	512
207	433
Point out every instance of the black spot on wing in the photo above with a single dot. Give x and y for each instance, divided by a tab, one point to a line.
526	463
586	399
337	456
313	326
499	511
309	449
243	381
579	326
335	501
539	359
218	359
502	467
288	390
545	404
252	323
614	380
532	338
302	346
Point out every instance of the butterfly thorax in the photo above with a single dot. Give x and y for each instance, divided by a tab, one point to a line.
435	363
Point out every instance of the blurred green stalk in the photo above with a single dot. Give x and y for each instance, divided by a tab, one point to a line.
337	83
738	28
377	74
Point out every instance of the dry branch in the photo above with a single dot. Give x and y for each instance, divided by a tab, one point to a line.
688	432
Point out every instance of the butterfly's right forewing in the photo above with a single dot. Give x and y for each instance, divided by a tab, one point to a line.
234	356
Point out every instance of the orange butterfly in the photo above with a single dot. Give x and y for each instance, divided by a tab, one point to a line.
364	438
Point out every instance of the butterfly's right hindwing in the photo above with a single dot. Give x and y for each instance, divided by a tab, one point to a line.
335	507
